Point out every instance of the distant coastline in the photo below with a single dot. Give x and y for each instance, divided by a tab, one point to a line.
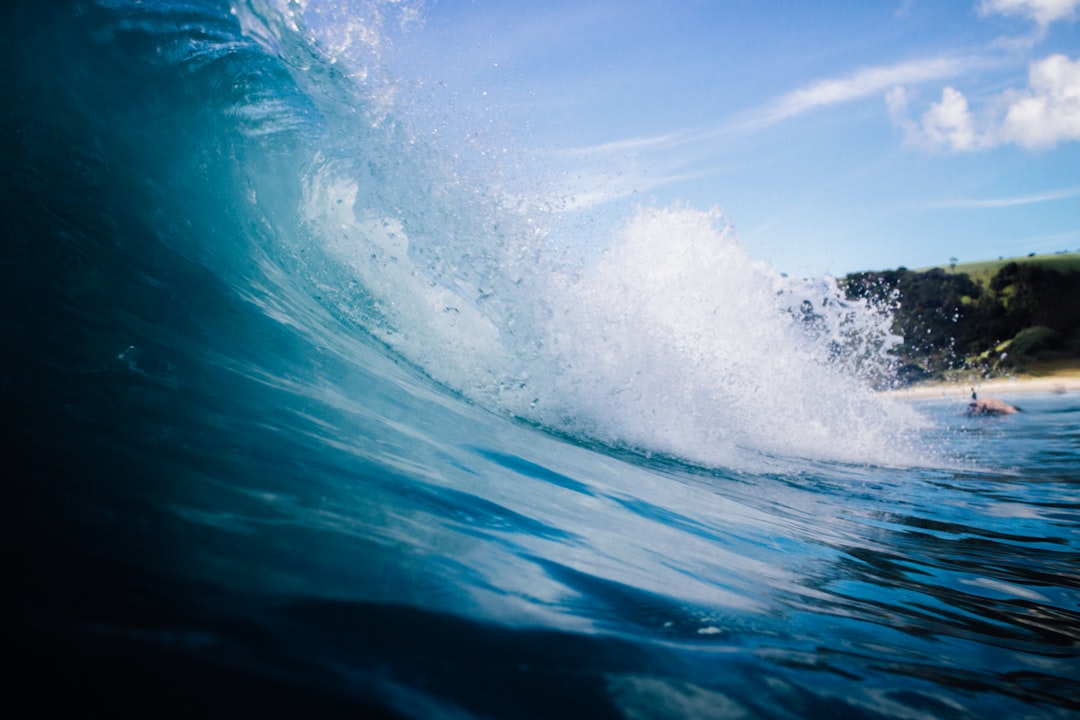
1065	380
1006	318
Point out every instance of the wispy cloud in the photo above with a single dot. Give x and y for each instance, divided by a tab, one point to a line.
627	146
1004	202
668	155
587	191
862	83
1042	12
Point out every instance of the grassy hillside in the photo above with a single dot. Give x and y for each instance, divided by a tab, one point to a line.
993	317
982	272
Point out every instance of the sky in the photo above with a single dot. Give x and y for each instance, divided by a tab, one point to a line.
835	136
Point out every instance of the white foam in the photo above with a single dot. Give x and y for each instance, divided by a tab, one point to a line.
429	324
673	339
669	338
676	340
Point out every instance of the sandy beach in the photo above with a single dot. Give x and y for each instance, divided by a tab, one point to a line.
1060	382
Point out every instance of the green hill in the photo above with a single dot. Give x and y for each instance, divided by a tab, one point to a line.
998	316
981	272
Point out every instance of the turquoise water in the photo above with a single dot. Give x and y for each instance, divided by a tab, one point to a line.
301	421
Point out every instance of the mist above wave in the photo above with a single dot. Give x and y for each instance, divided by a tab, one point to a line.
660	333
672	339
675	338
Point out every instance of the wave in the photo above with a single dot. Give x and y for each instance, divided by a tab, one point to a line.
668	337
288	181
302	414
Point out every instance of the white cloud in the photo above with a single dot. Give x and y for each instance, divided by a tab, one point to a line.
1014	201
1040	116
1042	12
1048	112
862	83
948	122
1045	113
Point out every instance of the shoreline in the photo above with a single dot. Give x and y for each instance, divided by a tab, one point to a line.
1067	382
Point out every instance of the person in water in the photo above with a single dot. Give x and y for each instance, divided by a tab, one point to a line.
990	406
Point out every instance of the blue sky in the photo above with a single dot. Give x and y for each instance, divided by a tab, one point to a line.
836	136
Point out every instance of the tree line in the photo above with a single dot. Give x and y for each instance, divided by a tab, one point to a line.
1026	315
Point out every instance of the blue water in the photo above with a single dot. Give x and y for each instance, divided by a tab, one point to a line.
302	420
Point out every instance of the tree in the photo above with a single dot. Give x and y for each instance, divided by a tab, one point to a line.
948	321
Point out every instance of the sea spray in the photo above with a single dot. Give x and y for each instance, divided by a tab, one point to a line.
663	336
675	339
437	327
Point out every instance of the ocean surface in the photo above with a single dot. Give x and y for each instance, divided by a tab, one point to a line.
303	418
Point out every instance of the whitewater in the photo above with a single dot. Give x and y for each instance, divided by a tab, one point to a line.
305	416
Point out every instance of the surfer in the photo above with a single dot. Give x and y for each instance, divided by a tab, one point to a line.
989	406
